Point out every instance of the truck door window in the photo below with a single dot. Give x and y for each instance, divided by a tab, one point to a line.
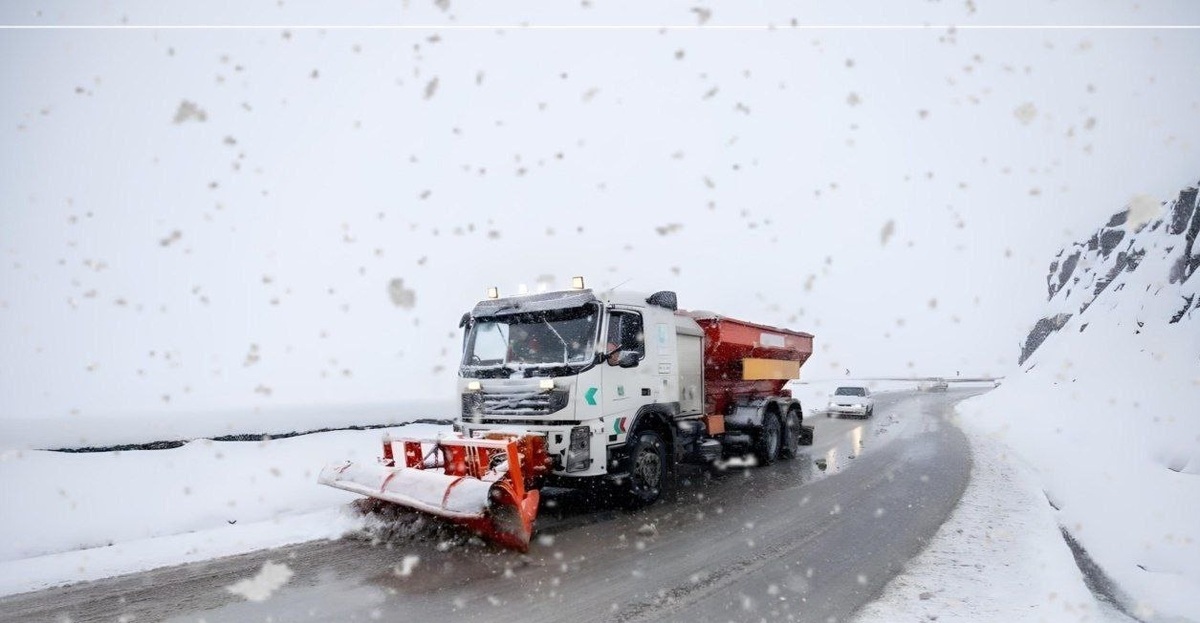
625	332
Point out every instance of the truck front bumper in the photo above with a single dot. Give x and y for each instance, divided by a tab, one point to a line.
558	441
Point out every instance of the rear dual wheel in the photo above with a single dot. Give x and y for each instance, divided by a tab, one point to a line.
769	439
791	434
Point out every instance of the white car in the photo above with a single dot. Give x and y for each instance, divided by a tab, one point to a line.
933	385
851	400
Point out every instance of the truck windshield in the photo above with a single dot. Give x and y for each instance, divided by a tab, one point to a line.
560	336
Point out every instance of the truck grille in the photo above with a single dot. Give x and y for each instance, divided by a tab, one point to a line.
517	403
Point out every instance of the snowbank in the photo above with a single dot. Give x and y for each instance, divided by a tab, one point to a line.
86	516
999	557
1109	422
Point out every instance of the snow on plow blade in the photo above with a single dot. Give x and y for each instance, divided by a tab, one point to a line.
469	481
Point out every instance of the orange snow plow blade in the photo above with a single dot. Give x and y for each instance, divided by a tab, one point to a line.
487	484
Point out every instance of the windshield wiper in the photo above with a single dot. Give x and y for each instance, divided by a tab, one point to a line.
566	349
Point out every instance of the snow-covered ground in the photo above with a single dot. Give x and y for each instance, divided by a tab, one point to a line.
1000	557
94	515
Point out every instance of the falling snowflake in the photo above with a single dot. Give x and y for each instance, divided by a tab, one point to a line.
406	566
1142	210
253	356
174	237
404	298
885	234
1026	113
269	579
189	111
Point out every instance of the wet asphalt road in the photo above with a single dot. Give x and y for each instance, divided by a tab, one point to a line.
808	539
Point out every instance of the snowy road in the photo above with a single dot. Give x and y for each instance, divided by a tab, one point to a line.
788	542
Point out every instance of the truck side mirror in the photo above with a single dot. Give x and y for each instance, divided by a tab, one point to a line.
628	359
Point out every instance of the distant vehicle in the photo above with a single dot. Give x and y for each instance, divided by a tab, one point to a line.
933	385
851	400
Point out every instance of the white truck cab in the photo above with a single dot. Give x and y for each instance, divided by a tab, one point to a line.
581	368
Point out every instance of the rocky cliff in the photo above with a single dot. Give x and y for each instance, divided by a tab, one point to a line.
1087	272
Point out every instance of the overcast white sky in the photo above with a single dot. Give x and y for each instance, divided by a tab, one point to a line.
899	193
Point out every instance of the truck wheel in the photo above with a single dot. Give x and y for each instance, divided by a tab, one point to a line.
767	440
647	468
791	434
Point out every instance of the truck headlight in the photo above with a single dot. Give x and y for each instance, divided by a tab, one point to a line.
579	450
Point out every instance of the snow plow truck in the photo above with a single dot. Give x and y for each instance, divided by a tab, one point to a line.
578	388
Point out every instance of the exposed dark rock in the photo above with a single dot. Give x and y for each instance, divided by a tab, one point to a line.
1040	332
1095	578
1183	212
1124	261
1119	218
1187	303
1068	267
1191	255
1134	259
1109	240
1050	287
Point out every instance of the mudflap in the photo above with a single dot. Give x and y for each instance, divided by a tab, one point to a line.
806	435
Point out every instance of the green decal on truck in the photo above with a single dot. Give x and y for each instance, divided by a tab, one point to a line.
590	396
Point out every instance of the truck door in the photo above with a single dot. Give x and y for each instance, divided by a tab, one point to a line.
625	389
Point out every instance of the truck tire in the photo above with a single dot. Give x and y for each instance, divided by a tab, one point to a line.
791	434
768	438
647	468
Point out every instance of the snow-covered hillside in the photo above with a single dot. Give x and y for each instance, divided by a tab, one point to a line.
1106	406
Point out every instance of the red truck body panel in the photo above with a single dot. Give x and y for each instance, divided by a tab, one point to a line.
728	342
